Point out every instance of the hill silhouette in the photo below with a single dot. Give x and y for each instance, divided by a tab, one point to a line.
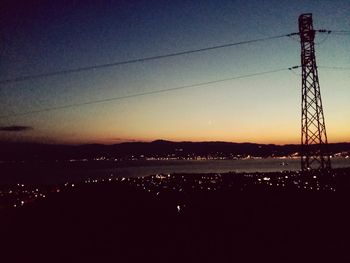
34	151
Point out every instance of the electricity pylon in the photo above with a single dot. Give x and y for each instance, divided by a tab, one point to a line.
314	145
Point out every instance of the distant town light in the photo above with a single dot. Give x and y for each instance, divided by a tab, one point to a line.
178	208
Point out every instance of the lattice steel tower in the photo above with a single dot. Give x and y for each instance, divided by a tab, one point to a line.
314	145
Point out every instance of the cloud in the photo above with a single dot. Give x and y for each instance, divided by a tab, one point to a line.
15	128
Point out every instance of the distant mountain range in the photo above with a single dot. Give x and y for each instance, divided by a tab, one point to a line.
158	148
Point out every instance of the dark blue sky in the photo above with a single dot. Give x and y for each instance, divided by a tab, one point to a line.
47	36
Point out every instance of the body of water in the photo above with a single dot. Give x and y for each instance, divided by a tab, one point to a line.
80	171
217	166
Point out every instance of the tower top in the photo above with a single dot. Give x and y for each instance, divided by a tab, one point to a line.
306	29
305	15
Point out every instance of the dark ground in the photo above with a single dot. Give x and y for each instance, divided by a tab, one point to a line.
118	222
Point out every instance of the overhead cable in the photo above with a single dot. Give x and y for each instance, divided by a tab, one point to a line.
136	60
142	94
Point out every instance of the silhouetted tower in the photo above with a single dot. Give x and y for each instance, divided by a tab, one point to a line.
314	145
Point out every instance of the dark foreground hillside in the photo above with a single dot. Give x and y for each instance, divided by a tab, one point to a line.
145	221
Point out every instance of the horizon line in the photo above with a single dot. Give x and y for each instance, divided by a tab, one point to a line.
150	141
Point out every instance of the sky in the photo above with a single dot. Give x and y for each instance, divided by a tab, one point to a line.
38	37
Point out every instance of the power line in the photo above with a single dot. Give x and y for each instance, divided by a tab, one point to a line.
335	68
322	67
292	70
345	32
341	32
142	94
137	60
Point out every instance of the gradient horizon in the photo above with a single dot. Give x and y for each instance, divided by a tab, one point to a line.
262	109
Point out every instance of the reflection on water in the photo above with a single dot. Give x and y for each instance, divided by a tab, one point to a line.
144	168
48	173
